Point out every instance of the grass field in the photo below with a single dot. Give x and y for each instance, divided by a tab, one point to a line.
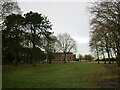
69	75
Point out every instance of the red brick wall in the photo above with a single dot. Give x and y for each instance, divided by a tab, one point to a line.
60	57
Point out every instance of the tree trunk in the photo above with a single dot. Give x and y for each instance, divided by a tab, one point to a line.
65	57
104	57
118	58
33	56
50	61
98	57
16	57
16	48
43	62
115	54
118	53
97	54
47	56
111	54
108	52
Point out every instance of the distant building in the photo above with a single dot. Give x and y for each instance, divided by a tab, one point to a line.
60	57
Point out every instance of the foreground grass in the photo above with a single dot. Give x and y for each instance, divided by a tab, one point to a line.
70	75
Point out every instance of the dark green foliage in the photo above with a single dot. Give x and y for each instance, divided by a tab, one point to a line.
11	35
8	58
39	55
50	57
22	38
97	60
77	59
106	59
37	25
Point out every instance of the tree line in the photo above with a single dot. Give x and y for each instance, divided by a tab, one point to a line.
105	33
87	57
29	38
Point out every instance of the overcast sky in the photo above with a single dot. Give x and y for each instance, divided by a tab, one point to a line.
69	17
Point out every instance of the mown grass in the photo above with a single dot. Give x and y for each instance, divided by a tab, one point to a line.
70	75
0	76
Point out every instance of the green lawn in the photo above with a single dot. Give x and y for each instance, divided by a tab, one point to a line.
70	75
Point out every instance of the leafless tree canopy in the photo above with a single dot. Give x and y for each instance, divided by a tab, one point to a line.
67	43
105	33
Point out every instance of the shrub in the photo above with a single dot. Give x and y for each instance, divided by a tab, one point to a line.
107	59
98	60
77	59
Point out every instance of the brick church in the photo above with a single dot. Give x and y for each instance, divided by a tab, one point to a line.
60	57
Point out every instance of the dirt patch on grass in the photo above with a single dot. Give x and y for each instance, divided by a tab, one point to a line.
111	79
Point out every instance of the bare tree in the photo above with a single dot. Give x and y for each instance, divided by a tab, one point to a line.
8	7
49	46
80	56
94	44
105	21
88	57
67	44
